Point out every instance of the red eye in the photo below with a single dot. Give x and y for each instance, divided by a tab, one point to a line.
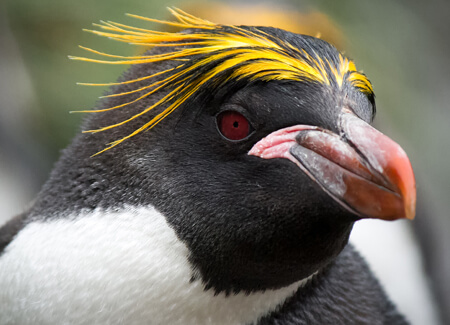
233	125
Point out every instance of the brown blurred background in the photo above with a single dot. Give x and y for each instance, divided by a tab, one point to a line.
401	45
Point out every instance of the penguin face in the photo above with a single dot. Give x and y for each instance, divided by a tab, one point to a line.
253	214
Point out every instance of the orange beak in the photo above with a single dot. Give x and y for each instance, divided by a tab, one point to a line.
362	169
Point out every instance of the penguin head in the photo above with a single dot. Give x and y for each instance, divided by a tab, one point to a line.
258	152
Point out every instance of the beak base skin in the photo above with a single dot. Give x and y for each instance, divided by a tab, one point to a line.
363	170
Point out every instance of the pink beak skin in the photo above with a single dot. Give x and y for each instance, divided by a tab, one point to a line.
362	169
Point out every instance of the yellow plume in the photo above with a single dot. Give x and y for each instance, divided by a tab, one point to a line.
228	52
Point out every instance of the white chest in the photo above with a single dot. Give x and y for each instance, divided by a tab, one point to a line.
125	267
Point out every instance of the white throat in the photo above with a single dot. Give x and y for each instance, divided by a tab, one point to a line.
122	267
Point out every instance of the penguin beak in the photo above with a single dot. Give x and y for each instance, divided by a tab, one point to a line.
361	168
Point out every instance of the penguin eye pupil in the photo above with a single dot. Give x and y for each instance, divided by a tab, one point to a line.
233	125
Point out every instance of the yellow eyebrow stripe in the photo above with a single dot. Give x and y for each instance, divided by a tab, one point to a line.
221	53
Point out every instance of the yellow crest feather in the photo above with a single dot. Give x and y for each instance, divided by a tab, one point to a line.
248	53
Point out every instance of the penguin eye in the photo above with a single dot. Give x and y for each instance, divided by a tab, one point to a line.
233	125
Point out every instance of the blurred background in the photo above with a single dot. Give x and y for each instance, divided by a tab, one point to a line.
401	45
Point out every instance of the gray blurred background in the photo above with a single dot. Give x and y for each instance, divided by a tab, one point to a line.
403	46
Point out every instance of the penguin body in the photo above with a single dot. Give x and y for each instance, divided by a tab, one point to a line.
122	281
138	273
205	219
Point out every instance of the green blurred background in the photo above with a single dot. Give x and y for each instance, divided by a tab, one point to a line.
401	45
